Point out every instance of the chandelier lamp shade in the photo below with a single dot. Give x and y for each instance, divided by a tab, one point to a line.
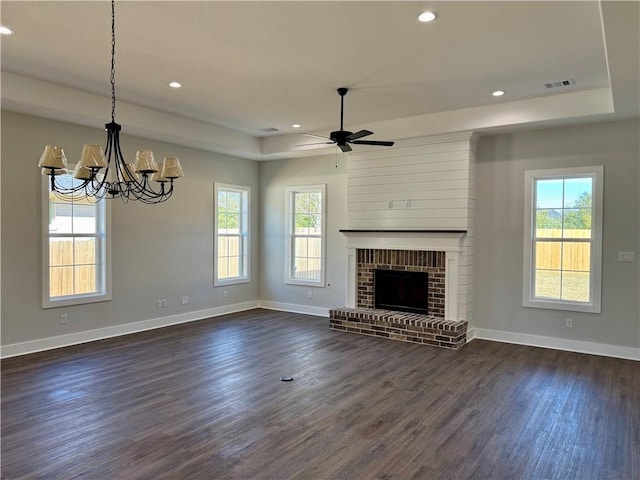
106	174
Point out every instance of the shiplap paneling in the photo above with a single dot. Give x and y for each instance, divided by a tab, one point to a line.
418	183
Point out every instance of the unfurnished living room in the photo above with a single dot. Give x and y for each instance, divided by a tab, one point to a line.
320	239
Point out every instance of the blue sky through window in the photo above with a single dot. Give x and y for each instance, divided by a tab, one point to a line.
551	193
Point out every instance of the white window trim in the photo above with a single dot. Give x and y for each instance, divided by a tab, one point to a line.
528	300
246	223
289	279
104	243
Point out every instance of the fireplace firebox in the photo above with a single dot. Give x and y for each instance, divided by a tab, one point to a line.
402	291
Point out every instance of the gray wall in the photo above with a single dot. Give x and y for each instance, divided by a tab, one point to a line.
158	251
275	176
502	161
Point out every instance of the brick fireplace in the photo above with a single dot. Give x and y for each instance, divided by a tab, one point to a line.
435	252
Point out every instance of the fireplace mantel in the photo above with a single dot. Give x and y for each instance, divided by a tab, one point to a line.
433	240
448	241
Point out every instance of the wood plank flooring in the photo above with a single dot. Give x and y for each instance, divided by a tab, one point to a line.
204	401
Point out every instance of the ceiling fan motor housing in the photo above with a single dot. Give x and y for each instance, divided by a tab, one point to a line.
340	137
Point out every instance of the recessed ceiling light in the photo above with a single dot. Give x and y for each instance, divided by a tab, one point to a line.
296	125
6	30
427	16
175	84
498	93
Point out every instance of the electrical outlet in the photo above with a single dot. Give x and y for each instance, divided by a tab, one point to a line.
310	294
569	323
408	203
63	319
185	300
626	256
164	302
159	303
225	294
390	204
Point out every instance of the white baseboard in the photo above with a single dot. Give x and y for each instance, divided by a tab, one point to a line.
39	345
579	346
294	308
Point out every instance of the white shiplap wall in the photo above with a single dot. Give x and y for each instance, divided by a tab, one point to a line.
419	183
423	183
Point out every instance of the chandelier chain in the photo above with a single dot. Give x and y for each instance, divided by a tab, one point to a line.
113	60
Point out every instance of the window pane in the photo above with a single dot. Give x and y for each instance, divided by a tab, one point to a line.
223	246
315	247
578	192
222	220
223	267
576	256
301	201
85	251
60	281
548	255
547	284
234	246
575	286
233	202
577	223
85	279
313	269
548	223
300	269
301	247
222	200
302	223
60	217
60	251
549	193
234	266
84	219
233	223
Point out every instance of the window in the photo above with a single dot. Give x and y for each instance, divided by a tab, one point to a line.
232	234
305	235
75	249
563	239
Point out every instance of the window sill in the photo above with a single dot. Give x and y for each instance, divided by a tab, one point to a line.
76	300
566	306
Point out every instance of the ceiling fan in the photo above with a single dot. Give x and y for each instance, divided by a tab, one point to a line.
342	138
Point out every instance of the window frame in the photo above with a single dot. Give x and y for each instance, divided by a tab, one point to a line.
596	173
290	234
245	234
103	250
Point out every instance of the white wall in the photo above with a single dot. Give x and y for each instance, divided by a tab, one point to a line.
158	251
275	176
502	161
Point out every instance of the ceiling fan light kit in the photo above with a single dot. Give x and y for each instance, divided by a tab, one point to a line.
108	175
342	138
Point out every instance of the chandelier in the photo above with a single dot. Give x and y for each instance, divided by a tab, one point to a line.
107	174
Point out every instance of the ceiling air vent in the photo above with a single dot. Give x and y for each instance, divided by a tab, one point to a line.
561	83
269	130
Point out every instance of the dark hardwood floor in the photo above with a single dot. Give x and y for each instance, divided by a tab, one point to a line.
204	401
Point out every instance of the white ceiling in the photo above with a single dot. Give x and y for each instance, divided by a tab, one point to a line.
246	66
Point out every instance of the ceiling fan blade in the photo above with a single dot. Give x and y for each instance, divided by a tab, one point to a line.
314	144
315	136
357	135
345	148
373	142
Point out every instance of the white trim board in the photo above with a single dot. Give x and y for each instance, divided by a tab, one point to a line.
578	346
50	343
294	308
